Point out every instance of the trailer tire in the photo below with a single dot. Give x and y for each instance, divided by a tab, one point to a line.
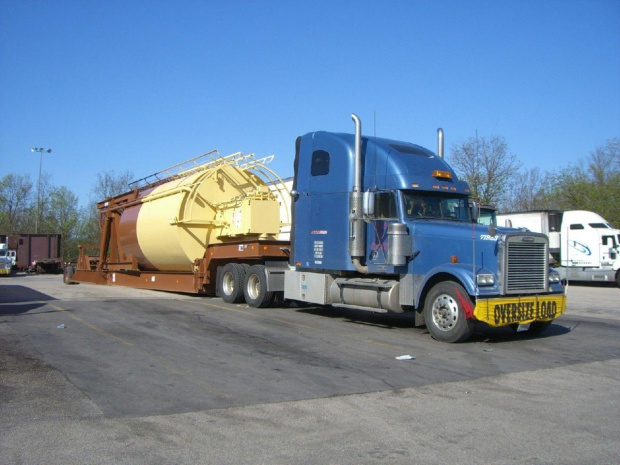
444	313
231	278
255	288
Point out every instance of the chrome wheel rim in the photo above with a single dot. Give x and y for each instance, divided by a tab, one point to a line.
445	312
228	283
253	286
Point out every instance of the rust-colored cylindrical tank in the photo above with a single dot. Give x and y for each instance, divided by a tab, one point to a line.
173	223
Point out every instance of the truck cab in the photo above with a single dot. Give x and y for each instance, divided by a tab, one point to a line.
385	225
7	259
583	245
590	243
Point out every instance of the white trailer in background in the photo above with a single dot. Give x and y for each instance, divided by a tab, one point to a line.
582	244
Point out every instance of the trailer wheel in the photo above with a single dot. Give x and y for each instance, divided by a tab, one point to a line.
255	288
231	284
444	313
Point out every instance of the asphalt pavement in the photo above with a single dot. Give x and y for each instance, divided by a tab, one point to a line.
94	374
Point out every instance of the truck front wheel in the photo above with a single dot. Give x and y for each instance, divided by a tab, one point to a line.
444	313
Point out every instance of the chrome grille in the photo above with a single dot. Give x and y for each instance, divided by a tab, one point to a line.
526	265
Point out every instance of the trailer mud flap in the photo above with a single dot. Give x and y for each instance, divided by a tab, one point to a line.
519	310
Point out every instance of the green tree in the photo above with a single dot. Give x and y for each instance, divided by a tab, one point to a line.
592	185
15	203
63	217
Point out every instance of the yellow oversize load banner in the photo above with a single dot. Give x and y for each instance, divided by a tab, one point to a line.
519	310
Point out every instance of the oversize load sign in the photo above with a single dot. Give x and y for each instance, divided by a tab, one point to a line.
502	312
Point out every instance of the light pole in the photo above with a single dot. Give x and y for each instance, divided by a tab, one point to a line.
40	150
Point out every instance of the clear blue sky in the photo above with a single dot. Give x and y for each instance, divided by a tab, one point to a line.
140	85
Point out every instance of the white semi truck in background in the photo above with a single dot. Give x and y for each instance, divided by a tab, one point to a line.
7	259
582	244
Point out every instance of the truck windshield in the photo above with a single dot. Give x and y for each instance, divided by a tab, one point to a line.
441	206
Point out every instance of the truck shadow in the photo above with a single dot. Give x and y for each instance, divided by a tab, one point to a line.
21	309
482	332
380	320
485	333
15	294
607	284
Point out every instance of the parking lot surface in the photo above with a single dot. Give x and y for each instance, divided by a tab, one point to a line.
96	374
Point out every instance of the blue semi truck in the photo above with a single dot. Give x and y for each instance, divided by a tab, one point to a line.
385	225
375	224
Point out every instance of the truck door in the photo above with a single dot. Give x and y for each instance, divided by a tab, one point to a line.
609	248
321	231
385	212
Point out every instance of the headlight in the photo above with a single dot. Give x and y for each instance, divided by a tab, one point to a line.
554	278
485	279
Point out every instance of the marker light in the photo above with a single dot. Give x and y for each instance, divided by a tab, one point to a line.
442	174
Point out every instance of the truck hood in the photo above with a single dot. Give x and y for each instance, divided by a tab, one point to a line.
467	241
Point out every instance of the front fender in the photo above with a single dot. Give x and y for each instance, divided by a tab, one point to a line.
460	273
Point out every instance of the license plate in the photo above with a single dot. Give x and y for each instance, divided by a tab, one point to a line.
519	310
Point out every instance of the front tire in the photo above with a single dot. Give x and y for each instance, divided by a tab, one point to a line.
444	313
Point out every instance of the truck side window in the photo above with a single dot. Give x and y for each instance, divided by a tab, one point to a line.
609	241
385	205
320	163
576	226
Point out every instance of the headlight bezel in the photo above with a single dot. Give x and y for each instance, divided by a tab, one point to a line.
485	279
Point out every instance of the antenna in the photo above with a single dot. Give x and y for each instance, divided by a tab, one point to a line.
374	117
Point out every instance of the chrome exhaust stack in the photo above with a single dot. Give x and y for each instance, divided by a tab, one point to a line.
440	143
357	226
